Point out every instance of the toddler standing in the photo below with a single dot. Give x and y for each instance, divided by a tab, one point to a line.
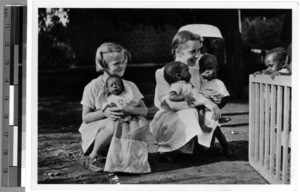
210	85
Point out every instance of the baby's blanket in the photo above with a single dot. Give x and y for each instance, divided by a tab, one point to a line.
128	151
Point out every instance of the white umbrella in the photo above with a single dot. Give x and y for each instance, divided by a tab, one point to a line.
203	30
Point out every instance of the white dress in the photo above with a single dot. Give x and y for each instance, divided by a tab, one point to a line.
184	88
214	85
118	101
129	147
174	129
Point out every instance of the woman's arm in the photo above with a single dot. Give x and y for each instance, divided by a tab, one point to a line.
162	88
90	115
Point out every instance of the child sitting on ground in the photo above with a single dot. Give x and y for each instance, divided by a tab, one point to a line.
116	96
274	61
210	85
178	76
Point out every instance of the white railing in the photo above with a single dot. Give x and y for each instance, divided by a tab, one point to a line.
270	127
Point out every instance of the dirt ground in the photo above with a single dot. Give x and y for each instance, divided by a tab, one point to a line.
60	159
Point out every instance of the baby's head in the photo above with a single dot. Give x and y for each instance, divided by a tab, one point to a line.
208	66
176	71
114	85
275	59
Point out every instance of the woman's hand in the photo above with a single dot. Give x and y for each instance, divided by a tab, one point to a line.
113	112
215	109
189	99
216	97
139	109
126	109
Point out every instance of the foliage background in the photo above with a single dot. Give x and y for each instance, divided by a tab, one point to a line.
68	37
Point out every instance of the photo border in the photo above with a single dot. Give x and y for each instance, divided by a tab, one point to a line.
32	98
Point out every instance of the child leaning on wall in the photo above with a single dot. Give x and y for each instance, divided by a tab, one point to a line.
287	67
275	61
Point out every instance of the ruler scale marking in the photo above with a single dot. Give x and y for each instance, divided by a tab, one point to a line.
14	94
5	102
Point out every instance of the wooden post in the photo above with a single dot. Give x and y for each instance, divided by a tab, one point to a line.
286	112
252	104
278	130
272	130
256	121
261	123
267	127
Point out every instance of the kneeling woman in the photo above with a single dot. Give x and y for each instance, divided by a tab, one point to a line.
103	127
176	130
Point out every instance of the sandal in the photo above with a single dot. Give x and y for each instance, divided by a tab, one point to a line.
96	164
224	120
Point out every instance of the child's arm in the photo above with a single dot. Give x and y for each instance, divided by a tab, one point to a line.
173	96
224	101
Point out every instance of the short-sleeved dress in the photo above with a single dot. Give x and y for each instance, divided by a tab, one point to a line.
128	150
186	88
174	129
214	85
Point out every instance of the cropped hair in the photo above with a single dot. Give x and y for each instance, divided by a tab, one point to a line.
279	53
206	62
171	70
116	77
109	48
182	37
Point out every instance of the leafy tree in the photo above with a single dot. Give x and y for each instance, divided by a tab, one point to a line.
54	47
262	32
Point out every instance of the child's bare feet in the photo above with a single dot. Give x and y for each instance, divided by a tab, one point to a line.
224	120
228	153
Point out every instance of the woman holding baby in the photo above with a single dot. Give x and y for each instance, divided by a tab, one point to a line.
106	125
177	130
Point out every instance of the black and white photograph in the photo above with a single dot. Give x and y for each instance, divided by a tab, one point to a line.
163	95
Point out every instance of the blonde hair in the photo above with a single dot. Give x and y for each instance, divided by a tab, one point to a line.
182	37
108	48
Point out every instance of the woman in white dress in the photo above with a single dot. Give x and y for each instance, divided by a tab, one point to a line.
175	130
102	128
